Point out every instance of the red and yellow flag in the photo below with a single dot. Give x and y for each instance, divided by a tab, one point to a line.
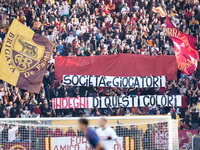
186	54
159	10
24	57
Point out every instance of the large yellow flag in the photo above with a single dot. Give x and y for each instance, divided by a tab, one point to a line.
24	57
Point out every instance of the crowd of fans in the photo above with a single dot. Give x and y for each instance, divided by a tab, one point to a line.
110	27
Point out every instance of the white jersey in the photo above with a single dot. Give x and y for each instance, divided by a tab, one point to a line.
107	136
11	134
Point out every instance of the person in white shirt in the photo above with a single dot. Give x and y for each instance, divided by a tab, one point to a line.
125	9
175	20
132	36
110	19
70	37
1	128
84	27
64	9
166	44
78	31
107	135
80	1
26	111
12	133
2	94
116	40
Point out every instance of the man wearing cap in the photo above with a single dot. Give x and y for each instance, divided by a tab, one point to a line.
173	114
70	37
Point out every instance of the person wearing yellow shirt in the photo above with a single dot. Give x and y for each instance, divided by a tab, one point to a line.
193	21
111	7
21	18
50	1
37	24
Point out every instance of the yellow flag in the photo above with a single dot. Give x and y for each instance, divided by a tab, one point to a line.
24	57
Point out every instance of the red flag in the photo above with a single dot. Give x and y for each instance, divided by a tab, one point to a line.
122	65
185	137
186	54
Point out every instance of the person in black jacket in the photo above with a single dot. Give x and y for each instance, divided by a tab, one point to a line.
147	137
186	118
14	112
1	110
46	111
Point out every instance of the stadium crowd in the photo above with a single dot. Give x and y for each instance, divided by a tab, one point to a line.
110	27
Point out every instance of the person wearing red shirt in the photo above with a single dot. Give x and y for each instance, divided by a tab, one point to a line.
37	110
39	2
103	26
75	44
134	18
106	11
128	22
184	101
117	2
184	107
58	133
102	7
107	24
57	24
38	131
145	110
49	132
130	3
70	132
188	13
26	10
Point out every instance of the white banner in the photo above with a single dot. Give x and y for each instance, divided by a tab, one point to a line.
75	143
116	102
110	81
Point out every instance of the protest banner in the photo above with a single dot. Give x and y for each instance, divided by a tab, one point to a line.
110	81
116	101
121	65
72	143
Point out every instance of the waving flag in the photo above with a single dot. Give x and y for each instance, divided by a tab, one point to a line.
186	54
185	137
159	10
24	57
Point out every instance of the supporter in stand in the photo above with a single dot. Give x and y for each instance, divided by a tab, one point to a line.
70	132
58	133
12	133
80	28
